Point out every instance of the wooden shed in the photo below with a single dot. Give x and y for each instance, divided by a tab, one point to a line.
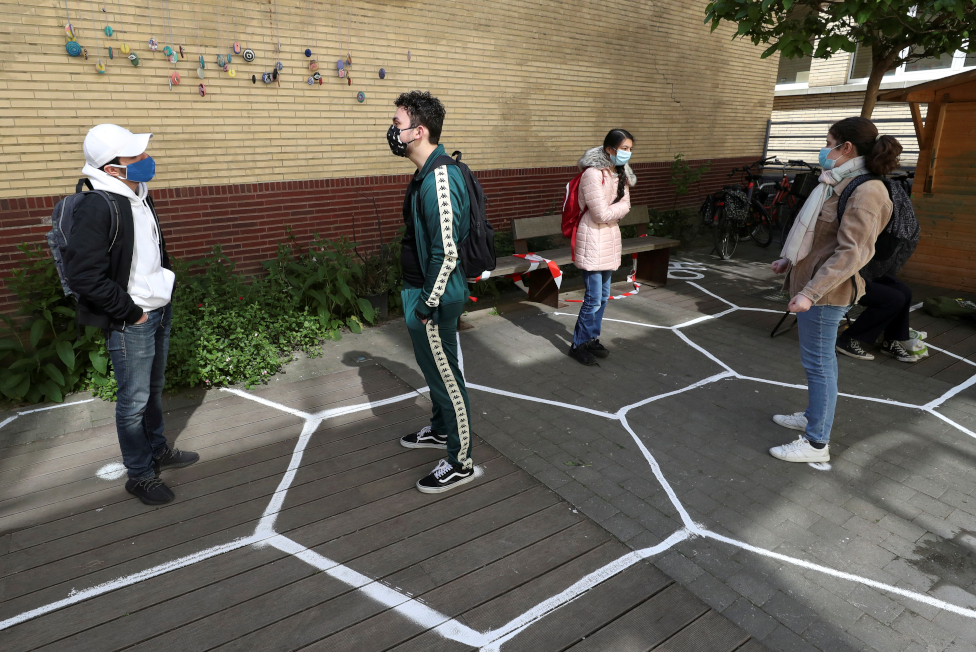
944	193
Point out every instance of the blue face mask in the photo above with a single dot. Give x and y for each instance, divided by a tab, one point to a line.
143	170
827	163
621	157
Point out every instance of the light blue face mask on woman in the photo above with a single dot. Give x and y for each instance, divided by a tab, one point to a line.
827	163
621	157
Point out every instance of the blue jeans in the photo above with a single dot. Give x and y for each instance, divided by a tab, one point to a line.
594	303
818	339
139	360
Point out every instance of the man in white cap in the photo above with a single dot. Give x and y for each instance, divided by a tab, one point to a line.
120	270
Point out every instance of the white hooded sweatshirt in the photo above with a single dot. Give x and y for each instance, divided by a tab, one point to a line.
150	284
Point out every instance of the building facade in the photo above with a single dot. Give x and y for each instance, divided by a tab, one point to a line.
811	94
528	85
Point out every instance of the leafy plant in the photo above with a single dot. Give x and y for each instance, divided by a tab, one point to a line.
683	176
43	356
897	31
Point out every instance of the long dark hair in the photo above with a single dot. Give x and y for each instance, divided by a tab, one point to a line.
613	141
880	154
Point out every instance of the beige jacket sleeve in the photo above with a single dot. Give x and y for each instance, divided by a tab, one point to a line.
595	197
866	215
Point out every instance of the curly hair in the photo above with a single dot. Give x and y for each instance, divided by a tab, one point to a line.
880	154
425	109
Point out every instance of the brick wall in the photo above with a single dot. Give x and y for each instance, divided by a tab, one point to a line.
527	84
249	220
800	124
830	72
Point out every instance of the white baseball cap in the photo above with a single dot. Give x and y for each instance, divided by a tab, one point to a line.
106	142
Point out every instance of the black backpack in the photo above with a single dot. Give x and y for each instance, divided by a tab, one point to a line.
897	242
477	251
61	221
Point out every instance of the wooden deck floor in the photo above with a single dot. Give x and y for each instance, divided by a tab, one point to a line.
478	557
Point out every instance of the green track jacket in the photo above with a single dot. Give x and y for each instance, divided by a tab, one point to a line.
441	211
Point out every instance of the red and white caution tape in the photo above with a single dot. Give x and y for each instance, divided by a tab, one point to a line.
631	278
557	274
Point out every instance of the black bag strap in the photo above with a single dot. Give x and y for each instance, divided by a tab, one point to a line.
82	182
113	209
852	186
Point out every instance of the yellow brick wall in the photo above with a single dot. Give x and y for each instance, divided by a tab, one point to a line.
527	83
800	124
830	72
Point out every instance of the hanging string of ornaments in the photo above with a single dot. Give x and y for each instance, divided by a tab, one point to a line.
175	52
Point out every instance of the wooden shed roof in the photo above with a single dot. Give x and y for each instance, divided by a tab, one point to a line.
961	87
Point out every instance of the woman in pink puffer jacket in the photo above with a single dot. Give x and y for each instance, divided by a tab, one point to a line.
604	199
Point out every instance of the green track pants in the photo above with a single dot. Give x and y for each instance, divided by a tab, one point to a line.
436	348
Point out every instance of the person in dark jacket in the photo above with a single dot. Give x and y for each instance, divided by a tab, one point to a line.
121	272
436	211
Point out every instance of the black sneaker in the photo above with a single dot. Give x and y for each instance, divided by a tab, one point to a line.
852	348
174	458
597	349
897	351
151	491
424	438
582	355
443	478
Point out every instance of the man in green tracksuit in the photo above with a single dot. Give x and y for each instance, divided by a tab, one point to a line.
436	212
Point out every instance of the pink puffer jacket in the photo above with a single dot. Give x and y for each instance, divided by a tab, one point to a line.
598	236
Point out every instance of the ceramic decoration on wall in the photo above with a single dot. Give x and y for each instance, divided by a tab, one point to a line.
237	47
202	90
134	58
249	55
360	97
153	44
382	73
73	48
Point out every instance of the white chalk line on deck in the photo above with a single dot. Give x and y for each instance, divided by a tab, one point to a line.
442	624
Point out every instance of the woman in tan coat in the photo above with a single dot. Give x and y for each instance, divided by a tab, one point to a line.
604	199
821	259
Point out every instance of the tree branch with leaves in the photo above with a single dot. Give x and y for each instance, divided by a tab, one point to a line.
896	31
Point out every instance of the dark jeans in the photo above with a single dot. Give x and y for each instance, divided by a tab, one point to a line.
888	301
594	303
139	360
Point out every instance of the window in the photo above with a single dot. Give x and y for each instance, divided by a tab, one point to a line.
861	67
794	71
931	63
921	70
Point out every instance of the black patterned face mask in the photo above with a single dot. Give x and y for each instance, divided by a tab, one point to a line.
397	146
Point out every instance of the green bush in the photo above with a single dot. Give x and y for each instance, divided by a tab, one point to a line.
227	328
42	355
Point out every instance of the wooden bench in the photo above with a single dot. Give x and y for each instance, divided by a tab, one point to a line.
652	253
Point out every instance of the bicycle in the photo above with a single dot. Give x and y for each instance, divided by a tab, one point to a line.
791	195
738	211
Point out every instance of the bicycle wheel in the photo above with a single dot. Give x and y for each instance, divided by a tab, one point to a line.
726	236
761	232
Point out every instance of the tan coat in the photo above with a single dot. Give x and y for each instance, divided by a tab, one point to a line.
598	245
824	275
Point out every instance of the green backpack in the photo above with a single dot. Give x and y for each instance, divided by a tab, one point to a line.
949	308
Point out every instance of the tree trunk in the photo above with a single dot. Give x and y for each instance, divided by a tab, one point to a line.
879	66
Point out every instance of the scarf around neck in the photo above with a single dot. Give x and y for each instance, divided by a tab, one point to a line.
800	240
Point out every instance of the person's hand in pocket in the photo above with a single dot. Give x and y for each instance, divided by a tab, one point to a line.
144	318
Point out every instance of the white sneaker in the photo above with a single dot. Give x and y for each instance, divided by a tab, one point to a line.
795	421
800	451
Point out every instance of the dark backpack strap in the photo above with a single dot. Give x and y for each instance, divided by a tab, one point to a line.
113	209
84	181
852	186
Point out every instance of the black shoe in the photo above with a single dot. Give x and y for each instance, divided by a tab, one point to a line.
151	491
582	355
424	438
897	351
597	349
852	348
443	478
174	458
